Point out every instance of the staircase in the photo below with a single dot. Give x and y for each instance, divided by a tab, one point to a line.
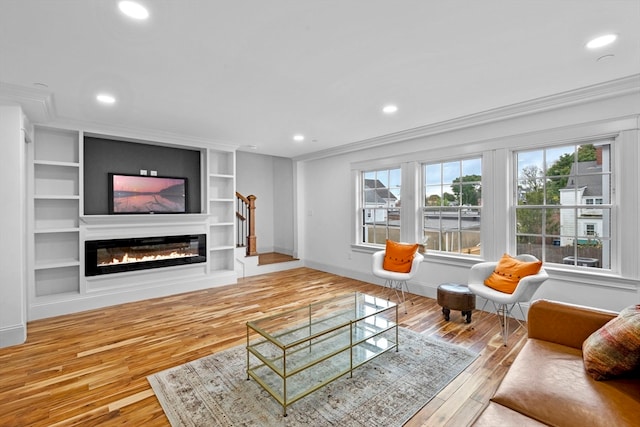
247	260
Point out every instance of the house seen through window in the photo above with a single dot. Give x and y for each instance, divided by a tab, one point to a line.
563	206
381	205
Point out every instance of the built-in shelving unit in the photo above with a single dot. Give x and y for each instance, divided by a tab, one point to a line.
221	203
56	204
59	227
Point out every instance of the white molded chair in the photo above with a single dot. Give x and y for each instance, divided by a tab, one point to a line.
392	279
503	303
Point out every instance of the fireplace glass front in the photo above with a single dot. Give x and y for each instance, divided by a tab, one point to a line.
118	255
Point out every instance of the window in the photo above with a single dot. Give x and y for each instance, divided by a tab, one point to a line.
563	204
452	195
381	205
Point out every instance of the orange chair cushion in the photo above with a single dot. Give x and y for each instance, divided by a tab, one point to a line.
614	349
398	256
509	271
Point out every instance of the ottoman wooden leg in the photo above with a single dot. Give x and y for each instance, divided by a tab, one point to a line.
446	312
468	314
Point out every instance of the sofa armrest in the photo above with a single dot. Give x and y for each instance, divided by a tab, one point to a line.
563	323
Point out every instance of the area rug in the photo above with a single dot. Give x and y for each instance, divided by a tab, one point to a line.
386	391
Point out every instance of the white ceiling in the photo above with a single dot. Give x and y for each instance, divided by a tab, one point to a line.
256	72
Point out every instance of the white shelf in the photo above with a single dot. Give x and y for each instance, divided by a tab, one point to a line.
55	197
57	230
57	264
221	248
57	163
221	175
56	202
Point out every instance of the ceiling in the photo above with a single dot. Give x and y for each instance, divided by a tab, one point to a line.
252	73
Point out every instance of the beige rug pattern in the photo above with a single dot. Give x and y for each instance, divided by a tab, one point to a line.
386	391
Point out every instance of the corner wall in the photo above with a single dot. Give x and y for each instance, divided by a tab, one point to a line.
13	318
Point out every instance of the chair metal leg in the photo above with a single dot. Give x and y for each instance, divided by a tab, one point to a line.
505	322
398	285
504	312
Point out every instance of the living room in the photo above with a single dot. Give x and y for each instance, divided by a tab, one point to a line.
591	98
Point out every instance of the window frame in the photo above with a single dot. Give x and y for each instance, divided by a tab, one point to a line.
608	256
423	207
362	207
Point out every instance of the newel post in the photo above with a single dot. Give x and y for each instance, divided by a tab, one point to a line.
251	238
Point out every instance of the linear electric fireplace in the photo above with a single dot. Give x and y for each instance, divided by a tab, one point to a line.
118	255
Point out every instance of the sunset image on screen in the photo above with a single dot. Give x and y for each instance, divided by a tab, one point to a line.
148	194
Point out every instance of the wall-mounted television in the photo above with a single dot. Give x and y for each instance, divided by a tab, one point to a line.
141	194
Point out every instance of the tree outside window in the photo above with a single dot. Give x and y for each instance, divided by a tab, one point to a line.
452	206
557	190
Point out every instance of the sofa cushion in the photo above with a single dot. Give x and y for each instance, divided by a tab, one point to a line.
614	349
548	382
498	415
509	271
398	256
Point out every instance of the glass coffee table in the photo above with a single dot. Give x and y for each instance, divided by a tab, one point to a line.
294	353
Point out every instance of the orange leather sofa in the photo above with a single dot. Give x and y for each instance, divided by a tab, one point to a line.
547	383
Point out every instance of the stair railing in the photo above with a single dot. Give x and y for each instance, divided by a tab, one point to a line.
246	224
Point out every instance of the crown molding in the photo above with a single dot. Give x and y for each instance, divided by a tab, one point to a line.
618	87
141	135
37	104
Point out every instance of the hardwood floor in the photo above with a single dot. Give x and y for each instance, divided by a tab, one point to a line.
273	258
90	368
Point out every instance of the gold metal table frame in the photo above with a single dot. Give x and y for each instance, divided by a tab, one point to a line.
294	353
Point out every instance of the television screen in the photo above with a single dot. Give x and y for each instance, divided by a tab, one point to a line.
140	194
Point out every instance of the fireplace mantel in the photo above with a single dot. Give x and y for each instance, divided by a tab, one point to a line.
127	220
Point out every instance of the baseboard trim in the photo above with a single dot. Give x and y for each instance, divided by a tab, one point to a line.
13	335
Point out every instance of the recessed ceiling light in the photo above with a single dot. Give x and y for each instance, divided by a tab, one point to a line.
298	138
105	98
389	109
133	10
602	41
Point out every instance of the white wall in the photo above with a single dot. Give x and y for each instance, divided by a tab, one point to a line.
12	228
270	179
325	193
283	206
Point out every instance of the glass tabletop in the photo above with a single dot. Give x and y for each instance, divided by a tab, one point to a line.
291	327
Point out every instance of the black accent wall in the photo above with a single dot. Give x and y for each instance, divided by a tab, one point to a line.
102	156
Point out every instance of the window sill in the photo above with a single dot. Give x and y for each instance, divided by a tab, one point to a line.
591	276
458	260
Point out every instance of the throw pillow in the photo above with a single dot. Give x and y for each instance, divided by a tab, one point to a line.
509	271
398	256
614	349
